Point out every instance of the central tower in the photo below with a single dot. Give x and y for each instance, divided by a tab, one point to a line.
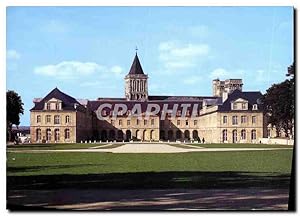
136	82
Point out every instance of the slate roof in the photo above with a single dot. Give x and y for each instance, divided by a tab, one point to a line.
136	67
67	101
178	98
93	105
251	97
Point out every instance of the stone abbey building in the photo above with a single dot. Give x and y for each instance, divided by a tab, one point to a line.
230	115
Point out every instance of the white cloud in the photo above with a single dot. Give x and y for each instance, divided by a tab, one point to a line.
13	54
75	69
116	69
175	55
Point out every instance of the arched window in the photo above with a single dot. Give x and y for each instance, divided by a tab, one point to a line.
234	136
224	135
152	135
56	119
243	134
253	135
186	134
67	133
48	134
56	134
38	135
38	119
67	119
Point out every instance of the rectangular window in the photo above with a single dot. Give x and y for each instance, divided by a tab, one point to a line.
234	120
253	119
137	122
186	123
152	122
243	106
224	119
56	119
38	119
195	122
243	119
48	118
120	122
178	122
234	106
57	106
48	106
128	122
145	122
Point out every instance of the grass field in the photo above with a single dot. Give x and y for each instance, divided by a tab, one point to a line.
240	145
183	170
83	163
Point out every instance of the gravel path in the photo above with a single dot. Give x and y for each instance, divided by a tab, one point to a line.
153	199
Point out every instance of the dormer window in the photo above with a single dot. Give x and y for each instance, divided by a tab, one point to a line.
57	107
48	106
244	106
254	107
234	106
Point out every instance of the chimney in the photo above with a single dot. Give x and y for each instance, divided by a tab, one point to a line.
224	96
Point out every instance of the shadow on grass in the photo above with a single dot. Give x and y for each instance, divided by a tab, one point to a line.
150	180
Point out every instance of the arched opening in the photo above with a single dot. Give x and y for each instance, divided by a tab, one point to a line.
56	135
104	135
152	135
48	134
38	135
195	135
111	135
178	135
162	135
170	135
187	134
128	135
138	135
144	135
243	134
120	135
253	135
234	136
224	135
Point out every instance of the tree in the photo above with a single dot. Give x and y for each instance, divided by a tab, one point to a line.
279	104
14	107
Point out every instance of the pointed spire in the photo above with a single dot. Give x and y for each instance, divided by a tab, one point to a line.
136	67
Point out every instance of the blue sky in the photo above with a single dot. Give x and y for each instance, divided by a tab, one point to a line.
87	51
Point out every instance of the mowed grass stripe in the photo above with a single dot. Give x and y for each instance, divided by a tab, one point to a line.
277	161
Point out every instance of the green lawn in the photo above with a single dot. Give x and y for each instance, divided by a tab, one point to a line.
240	145
35	171
53	146
276	161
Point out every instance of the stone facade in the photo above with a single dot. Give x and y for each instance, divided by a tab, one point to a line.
229	116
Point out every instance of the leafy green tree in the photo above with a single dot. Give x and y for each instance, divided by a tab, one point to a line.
14	107
279	104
